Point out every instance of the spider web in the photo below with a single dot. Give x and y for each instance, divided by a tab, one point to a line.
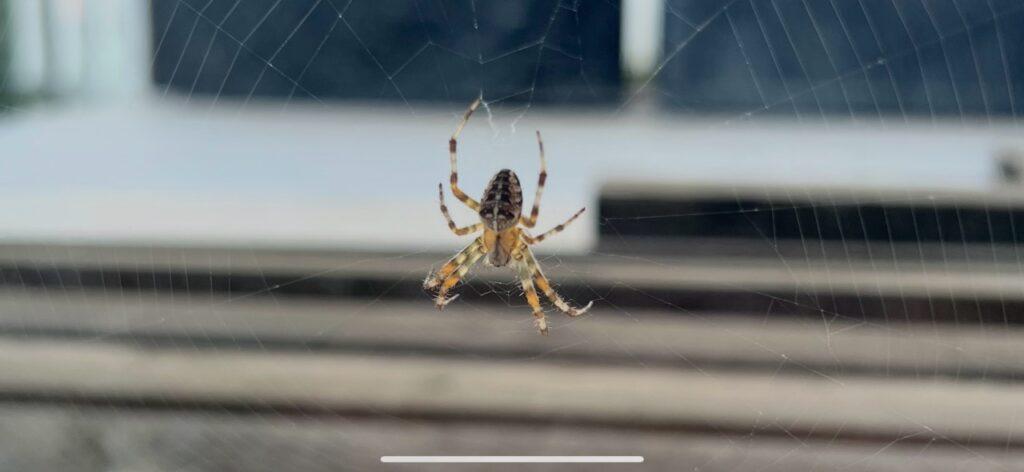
804	122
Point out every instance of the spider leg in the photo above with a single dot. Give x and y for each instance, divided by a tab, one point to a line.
531	297
451	223
453	271
555	230
545	286
440	301
532	220
452	153
435	279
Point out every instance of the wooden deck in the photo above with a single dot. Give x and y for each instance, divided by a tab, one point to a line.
273	378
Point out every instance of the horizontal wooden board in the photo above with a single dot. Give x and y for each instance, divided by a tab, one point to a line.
874	409
112	438
1002	279
605	336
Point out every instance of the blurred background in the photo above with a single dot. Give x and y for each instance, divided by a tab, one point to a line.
802	236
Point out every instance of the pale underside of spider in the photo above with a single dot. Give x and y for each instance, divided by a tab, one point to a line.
503	241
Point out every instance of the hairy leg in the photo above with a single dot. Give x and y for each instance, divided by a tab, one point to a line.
453	264
557	229
451	223
531	297
441	300
544	285
453	145
532	220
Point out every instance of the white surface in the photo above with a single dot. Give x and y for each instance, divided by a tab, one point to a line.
350	176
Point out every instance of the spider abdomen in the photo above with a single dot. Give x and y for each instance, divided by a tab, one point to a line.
502	202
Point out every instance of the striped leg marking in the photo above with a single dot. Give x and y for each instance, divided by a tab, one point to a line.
545	286
453	145
531	297
553	231
435	279
451	223
453	271
532	220
440	301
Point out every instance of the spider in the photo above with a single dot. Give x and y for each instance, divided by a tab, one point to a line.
503	241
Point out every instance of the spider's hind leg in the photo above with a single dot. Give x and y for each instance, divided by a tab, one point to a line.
453	271
526	279
544	285
435	279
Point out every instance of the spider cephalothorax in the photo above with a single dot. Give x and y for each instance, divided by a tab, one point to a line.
502	241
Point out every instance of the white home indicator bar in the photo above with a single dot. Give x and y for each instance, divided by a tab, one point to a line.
511	459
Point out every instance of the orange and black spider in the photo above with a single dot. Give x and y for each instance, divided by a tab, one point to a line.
503	241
